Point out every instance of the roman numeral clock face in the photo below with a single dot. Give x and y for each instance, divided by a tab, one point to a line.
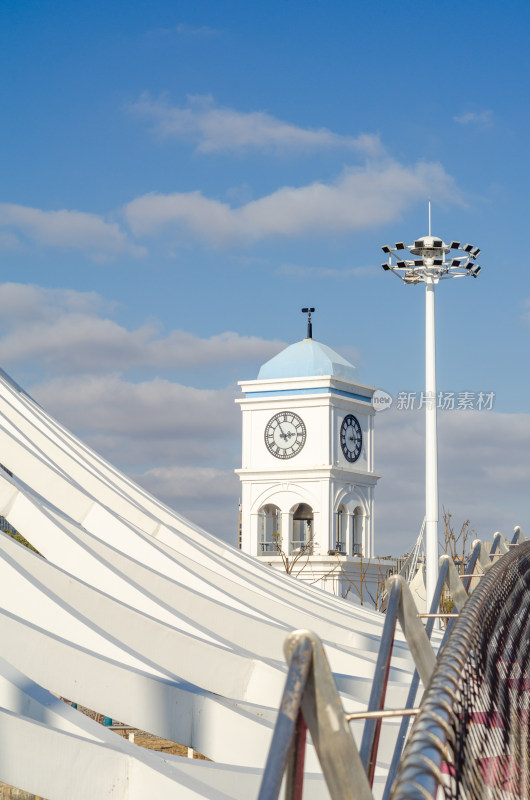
351	438
285	434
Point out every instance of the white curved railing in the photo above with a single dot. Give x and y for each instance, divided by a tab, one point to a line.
143	616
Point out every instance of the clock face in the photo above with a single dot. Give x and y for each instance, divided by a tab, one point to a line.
351	438
285	434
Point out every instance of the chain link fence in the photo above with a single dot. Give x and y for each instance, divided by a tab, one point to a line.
471	737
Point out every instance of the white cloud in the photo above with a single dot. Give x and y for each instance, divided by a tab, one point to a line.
153	409
63	330
23	302
182	483
183	29
358	199
217	129
202	30
8	241
180	443
483	468
484	118
206	495
71	229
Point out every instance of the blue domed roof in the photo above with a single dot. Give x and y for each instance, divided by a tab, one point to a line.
307	358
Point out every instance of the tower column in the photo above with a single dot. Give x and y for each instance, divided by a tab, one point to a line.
254	533
349	533
286	530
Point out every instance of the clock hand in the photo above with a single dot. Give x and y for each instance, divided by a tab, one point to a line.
282	434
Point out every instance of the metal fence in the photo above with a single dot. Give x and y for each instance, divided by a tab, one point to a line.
471	738
311	702
471	735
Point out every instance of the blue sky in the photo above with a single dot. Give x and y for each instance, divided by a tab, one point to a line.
178	179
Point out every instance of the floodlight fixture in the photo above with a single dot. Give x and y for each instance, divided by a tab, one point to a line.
433	261
386	248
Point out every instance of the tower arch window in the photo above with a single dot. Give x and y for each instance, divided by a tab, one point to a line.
303	529
342	528
357	549
269	529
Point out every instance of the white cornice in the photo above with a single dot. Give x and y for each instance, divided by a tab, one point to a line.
309	474
308	382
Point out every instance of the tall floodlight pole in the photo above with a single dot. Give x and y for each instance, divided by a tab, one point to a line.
432	262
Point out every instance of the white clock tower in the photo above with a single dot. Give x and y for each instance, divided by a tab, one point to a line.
307	475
